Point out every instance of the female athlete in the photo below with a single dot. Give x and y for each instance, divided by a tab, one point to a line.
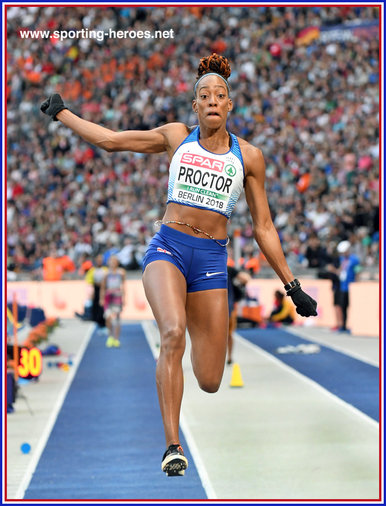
112	298
209	167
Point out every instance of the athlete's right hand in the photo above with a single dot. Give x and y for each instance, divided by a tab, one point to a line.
53	105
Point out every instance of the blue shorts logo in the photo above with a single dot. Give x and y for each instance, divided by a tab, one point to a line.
209	274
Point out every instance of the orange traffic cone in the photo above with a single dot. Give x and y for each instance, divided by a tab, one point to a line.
236	380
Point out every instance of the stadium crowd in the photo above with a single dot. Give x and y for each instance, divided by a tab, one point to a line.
311	105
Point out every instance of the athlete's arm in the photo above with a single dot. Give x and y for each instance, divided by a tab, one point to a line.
264	230
139	141
158	140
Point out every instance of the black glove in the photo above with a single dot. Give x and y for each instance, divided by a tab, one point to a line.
305	305
53	105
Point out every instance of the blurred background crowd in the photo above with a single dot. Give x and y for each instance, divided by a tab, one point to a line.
304	91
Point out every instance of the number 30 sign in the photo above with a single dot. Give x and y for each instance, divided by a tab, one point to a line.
30	362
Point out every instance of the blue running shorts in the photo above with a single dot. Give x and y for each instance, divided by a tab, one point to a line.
203	262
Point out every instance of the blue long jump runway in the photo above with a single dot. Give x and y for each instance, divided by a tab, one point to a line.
352	380
107	442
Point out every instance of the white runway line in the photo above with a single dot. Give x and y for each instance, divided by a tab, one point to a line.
343	344
152	338
306	379
271	438
280	437
53	416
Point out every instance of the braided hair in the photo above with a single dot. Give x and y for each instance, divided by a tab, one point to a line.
213	64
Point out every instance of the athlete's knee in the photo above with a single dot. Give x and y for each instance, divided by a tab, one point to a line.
210	385
173	340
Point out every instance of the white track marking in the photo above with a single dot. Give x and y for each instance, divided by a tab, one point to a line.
256	348
152	338
54	415
333	346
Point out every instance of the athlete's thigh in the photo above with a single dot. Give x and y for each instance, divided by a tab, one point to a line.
165	289
207	322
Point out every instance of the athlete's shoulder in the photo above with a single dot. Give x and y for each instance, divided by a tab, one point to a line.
247	147
251	154
175	128
183	129
175	133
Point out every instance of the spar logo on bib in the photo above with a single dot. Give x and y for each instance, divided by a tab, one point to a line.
205	162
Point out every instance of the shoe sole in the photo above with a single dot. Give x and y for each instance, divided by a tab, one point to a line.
174	465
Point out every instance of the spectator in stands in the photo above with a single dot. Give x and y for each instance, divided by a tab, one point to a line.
56	264
316	255
251	263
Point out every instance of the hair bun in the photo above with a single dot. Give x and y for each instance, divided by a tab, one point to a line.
214	63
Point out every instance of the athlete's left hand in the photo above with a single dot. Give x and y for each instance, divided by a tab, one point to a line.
305	305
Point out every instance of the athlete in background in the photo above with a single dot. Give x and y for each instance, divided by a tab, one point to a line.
112	298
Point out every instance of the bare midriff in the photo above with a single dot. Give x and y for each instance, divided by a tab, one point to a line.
211	222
